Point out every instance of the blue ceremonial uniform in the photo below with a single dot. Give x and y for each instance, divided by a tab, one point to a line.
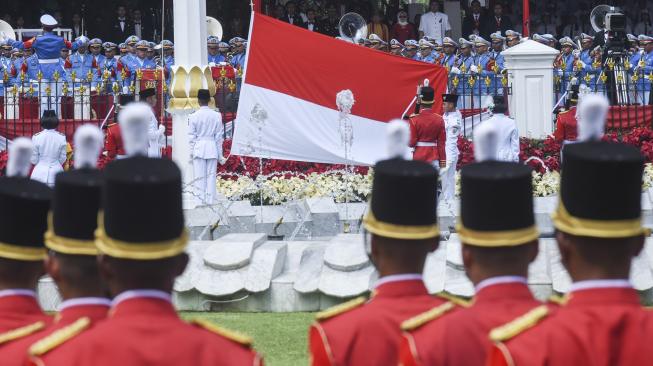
81	65
136	63
481	62
428	59
585	56
108	67
463	88
565	71
238	61
47	48
217	58
449	61
32	64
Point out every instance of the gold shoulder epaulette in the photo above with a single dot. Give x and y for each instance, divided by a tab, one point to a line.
558	300
413	115
423	318
454	299
519	325
340	308
226	333
21	332
59	337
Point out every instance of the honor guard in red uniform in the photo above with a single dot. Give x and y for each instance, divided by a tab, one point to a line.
599	231
400	231
141	238
566	126
499	241
427	131
113	146
24	206
71	260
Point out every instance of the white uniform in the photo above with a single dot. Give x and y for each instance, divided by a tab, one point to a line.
435	25
205	135
48	156
453	126
507	137
155	138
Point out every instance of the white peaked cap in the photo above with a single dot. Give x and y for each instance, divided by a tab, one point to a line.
398	139
20	155
486	142
591	114
134	121
48	20
88	146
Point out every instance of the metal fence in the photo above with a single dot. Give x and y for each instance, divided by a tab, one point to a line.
93	98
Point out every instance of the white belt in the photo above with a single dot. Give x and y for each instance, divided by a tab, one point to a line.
426	144
50	61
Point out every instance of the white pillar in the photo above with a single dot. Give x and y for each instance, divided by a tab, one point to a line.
530	68
189	74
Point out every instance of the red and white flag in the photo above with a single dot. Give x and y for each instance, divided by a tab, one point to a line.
293	75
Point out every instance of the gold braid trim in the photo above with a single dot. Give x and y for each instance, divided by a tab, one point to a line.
519	325
21	332
340	308
423	318
226	333
59	337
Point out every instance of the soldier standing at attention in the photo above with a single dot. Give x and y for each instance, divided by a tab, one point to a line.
400	232
427	132
599	231
499	241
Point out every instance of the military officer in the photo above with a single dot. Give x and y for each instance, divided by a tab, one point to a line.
453	125
449	57
107	70
113	145
644	69
139	264
238	49
498	62
586	48
566	125
49	150
425	53
24	206
168	53
505	130
95	47
71	260
481	70
205	136
81	62
512	38
214	55
427	131
141	61
599	231
465	63
499	240
396	48
400	232
410	49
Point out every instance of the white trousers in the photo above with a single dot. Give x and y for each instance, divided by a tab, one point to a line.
204	180
449	182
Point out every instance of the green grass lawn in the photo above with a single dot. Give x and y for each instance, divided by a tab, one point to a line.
280	337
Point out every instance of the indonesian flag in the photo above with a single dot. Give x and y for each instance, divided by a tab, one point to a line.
293	76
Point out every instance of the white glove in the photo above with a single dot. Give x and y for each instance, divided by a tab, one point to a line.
455	70
212	64
162	130
222	160
576	53
473	69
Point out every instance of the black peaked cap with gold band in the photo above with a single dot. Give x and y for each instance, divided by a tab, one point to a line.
496	205
142	217
600	191
75	206
24	206
404	200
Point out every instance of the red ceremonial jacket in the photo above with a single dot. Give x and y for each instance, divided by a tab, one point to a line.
566	126
597	327
369	334
147	331
18	311
427	128
113	142
461	337
15	353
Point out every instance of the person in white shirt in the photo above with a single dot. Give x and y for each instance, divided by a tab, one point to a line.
434	24
503	129
156	132
205	135
49	153
453	125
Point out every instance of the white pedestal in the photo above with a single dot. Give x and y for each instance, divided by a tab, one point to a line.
530	68
181	153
